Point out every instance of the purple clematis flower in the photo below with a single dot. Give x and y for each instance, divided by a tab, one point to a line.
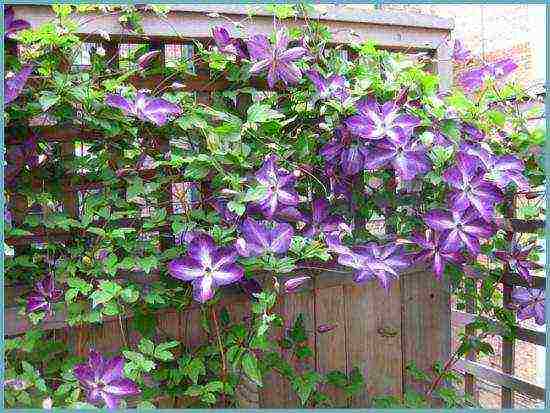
277	59
145	108
529	303
469	188
12	26
371	261
207	267
502	170
346	151
103	379
406	156
431	250
227	44
333	87
147	58
44	295
14	85
501	68
278	185
518	259
322	221
294	284
325	328
471	132
220	206
259	240
375	121
459	228
460	53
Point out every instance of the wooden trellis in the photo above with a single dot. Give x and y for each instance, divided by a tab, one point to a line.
378	333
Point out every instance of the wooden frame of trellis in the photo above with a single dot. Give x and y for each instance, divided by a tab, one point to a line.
380	341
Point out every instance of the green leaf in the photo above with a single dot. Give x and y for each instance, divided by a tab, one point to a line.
146	346
259	113
47	100
250	368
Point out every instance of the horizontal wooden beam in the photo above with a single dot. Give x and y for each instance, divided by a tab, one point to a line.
389	30
461	318
16	323
502	379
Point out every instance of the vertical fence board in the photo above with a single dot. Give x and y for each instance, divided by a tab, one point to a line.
374	339
331	346
426	319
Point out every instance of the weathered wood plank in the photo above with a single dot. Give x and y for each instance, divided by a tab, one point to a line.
426	321
502	379
391	30
331	346
374	339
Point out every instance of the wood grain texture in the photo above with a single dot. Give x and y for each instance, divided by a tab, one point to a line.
374	339
426	321
331	346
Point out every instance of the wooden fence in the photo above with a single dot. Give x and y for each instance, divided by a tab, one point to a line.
376	332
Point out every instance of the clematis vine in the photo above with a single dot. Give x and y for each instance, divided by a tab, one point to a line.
407	157
333	87
321	221
529	303
227	44
470	188
518	259
12	26
459	228
375	121
103	379
371	261
259	239
13	86
145	108
44	295
207	267
277	58
345	151
431	250
278	186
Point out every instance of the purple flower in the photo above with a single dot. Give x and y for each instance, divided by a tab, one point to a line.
333	87
345	151
207	267
325	328
469	187
322	221
145	108
375	121
371	261
460	53
44	295
227	216
147	58
501	68
503	170
473	79
529	303
12	26
431	250
14	85
229	45
276	58
259	239
278	185
406	156
518	259
459	228
472	132
103	379
293	284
